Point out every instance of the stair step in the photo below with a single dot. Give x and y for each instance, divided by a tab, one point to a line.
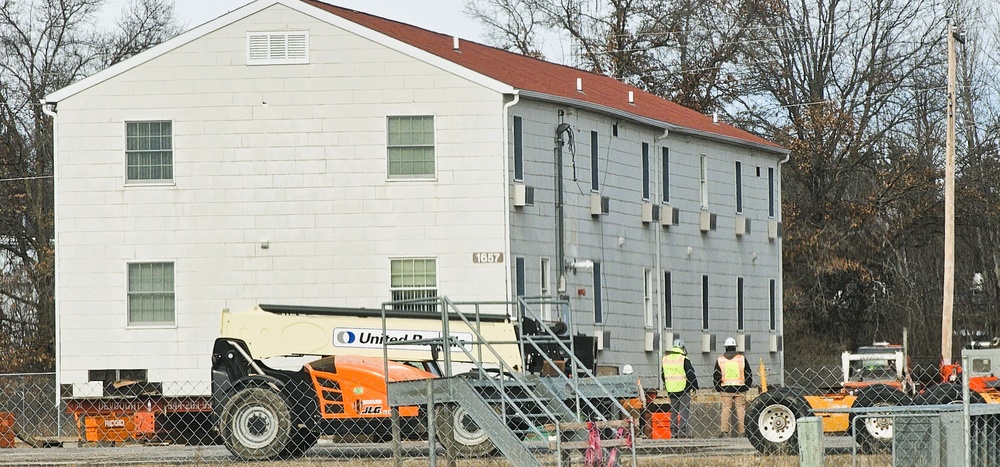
577	426
605	443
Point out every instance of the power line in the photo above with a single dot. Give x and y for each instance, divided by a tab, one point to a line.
21	179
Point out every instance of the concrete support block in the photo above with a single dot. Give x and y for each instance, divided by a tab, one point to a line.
810	431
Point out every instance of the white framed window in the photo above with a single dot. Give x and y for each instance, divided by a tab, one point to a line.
704	302
668	302
518	149
149	151
278	48
666	174
770	192
645	171
739	187
410	143
151	293
545	288
739	304
703	170
413	279
595	163
598	295
647	297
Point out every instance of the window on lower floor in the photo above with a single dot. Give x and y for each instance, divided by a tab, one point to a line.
668	305
150	293
739	304
413	283
647	297
149	151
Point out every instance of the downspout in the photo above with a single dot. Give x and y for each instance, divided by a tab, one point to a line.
661	313
506	188
781	274
50	110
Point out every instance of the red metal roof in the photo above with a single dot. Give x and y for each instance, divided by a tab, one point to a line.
531	74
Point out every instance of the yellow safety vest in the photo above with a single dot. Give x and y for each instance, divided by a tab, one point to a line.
732	370
674	376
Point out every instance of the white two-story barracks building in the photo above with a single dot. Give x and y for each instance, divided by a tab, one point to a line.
294	152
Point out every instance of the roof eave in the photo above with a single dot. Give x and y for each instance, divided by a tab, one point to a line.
653	122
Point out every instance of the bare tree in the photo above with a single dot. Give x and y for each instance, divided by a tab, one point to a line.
680	50
46	45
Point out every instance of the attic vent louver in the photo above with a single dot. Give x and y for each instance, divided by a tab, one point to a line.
277	48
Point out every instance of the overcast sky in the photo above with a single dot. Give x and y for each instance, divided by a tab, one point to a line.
444	16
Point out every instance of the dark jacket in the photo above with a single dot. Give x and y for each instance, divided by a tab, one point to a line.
692	379
717	377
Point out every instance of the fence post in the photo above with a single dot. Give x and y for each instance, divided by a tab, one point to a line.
810	441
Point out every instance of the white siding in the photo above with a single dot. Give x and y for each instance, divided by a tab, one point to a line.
306	172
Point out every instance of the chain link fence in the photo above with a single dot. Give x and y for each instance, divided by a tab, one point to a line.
463	421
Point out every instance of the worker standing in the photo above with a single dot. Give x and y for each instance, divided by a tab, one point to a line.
733	379
679	381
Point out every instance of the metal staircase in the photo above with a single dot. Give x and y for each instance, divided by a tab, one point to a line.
529	418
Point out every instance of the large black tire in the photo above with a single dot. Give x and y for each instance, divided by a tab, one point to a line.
771	421
874	434
300	442
459	433
946	393
256	424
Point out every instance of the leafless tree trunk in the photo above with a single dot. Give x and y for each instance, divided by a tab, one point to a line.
45	45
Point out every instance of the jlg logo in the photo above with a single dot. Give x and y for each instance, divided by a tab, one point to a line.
372	410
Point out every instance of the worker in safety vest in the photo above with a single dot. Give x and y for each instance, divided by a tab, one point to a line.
733	379
679	381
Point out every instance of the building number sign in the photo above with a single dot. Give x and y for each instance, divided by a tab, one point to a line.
487	257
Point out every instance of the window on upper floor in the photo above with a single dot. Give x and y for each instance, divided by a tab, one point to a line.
413	279
518	150
149	151
739	187
770	192
645	171
703	177
410	142
277	48
666	175
595	179
150	293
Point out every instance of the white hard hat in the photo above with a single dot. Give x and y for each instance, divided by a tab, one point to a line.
627	369
679	343
730	342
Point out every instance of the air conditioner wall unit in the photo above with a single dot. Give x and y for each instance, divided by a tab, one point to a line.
773	229
707	343
707	221
647	212
599	204
741	225
774	343
520	195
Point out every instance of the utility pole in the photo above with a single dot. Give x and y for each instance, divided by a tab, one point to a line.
949	206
